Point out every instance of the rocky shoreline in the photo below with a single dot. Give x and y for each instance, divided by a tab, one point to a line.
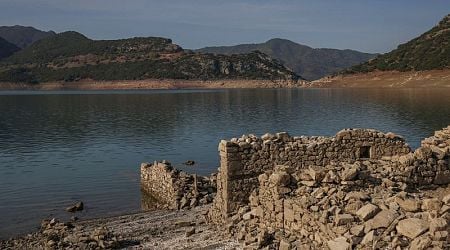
181	229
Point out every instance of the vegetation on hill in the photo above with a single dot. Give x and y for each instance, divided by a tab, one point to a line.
70	56
23	36
7	48
308	62
429	51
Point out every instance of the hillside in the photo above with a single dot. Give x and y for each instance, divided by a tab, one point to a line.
7	48
430	51
70	56
23	36
308	62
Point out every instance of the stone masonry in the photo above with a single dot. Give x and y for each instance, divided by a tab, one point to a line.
174	189
361	189
243	159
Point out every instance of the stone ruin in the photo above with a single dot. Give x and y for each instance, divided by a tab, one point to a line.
171	188
360	189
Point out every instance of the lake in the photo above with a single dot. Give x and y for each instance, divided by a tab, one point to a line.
59	147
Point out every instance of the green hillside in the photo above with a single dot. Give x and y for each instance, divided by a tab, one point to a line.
70	56
429	51
308	62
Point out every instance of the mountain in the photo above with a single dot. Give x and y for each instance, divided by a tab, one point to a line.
70	56
308	62
429	51
7	48
23	36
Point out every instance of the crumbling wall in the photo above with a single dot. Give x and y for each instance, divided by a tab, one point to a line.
159	180
174	189
243	160
429	164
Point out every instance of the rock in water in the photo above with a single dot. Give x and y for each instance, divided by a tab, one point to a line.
79	206
189	163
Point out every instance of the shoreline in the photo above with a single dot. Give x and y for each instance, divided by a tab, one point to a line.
153	84
159	229
387	79
376	79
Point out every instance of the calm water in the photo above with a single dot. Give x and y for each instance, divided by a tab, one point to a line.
60	147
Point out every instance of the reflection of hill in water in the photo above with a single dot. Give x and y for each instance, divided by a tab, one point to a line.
77	121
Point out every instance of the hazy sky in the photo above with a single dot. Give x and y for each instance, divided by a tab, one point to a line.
366	25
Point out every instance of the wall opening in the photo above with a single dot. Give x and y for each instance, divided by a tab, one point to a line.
364	152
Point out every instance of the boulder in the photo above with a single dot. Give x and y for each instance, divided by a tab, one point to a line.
349	174
368	238
432	204
446	199
412	227
284	245
420	243
79	206
343	219
408	205
280	179
382	220
438	224
367	212
339	243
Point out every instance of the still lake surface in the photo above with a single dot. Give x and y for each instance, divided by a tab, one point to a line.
59	147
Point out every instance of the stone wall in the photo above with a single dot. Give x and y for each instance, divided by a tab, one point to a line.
242	160
357	207
174	189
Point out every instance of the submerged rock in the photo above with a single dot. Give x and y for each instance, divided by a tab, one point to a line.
79	206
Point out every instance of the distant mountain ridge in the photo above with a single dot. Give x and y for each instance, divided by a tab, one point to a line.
7	48
429	51
23	36
308	62
71	56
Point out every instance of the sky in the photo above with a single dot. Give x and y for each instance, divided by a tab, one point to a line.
375	26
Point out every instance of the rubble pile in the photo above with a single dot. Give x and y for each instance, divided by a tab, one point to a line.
343	207
64	235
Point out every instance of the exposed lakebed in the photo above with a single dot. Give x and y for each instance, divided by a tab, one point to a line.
60	147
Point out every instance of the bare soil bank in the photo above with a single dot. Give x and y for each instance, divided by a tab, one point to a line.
388	79
152	84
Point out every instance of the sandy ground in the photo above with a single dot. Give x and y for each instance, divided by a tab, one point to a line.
388	79
152	84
